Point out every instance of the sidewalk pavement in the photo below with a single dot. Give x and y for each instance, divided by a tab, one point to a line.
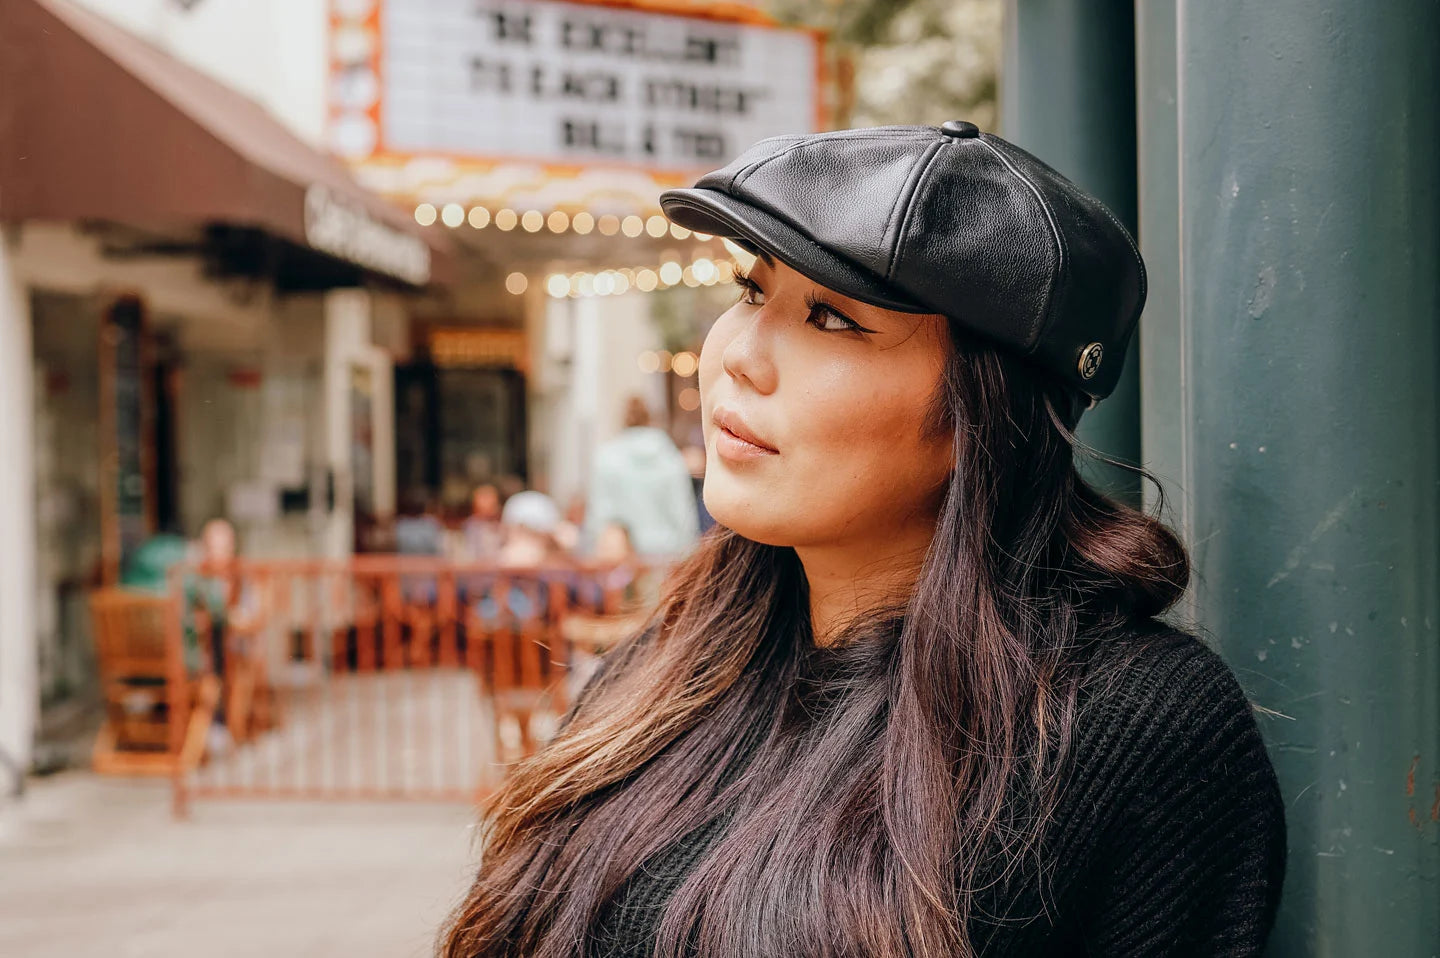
97	867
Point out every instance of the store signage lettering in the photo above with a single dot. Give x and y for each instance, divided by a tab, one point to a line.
572	82
344	229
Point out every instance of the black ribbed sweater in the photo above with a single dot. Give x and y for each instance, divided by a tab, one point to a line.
1169	838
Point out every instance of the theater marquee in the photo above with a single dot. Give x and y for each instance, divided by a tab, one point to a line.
565	85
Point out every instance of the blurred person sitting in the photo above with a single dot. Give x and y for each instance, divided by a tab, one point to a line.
418	530
530	520
222	602
482	534
641	481
217	590
220	608
570	534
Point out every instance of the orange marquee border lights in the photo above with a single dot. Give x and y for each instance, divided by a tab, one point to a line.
702	271
505	219
362	38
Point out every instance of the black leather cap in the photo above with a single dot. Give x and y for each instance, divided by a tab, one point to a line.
943	220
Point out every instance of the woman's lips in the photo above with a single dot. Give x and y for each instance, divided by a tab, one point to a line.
735	441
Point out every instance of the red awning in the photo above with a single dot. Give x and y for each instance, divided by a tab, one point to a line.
97	124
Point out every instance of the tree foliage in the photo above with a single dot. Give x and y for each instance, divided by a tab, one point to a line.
914	61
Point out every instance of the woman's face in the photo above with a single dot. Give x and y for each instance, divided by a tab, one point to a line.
832	395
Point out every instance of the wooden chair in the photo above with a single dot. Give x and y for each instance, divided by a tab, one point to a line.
156	714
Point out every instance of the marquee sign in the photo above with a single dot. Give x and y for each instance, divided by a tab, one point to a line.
564	86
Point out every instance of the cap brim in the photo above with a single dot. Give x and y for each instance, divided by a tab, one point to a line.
710	211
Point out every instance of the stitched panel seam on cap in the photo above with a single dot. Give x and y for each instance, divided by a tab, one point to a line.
1043	312
744	172
1139	261
903	202
806	141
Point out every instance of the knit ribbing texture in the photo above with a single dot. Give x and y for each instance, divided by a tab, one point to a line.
1169	839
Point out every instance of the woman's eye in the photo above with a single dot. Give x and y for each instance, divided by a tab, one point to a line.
750	293
828	321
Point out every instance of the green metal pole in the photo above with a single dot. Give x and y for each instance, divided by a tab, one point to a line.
1299	389
1067	94
1161	354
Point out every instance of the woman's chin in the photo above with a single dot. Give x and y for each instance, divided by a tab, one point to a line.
747	514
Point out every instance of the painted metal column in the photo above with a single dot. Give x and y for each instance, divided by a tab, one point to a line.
1067	94
1296	389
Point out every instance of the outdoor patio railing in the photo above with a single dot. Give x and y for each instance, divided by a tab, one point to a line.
388	677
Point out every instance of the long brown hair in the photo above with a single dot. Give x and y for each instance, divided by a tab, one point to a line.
932	774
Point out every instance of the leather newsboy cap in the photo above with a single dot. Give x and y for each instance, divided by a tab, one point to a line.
947	220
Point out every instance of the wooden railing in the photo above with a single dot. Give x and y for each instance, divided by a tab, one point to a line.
385	676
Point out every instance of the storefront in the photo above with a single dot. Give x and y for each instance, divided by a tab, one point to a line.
191	298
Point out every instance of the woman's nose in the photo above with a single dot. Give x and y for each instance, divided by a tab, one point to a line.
748	354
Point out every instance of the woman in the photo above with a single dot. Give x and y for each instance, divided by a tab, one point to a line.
911	698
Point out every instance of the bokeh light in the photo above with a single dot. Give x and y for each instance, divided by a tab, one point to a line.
685	363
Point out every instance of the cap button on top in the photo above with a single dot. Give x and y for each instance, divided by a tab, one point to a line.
963	129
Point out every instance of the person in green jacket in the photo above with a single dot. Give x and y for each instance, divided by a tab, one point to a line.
641	481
